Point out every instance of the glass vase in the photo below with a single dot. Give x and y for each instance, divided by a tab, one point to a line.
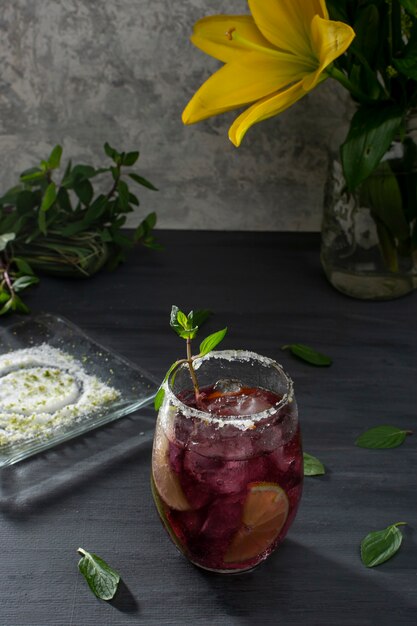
227	482
369	237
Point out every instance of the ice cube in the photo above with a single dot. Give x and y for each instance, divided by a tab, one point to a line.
228	385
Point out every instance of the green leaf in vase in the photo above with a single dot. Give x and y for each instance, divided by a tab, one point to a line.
308	354
380	545
312	465
372	130
382	437
101	578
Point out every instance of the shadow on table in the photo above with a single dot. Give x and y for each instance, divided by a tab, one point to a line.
52	474
124	601
300	586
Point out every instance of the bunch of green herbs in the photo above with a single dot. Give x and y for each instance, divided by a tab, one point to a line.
65	227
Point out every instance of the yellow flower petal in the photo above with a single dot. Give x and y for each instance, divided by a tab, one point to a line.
210	35
286	23
330	40
265	108
251	77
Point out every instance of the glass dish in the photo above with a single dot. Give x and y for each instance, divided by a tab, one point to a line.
136	387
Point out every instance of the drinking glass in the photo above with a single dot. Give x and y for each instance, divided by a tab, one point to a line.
227	469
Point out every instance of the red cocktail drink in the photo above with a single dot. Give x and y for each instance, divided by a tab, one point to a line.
227	468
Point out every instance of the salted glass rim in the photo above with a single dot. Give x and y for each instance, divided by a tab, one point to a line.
246	421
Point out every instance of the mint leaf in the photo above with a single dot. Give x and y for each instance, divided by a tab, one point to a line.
24	281
312	465
54	160
159	398
49	197
308	354
382	437
4	240
212	341
182	324
199	317
379	546
142	181
101	578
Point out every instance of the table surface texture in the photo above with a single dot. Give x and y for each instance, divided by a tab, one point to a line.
269	289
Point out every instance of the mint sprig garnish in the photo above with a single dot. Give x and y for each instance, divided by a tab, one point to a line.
101	578
379	546
186	327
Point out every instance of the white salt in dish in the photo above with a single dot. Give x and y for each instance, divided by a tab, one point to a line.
57	383
43	389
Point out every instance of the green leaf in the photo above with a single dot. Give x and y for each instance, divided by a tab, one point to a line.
123	191
308	354
34	174
101	578
24	281
173	319
410	6
182	320
49	197
199	317
84	191
111	152
382	437
143	230
23	266
210	342
133	199
312	465
26	200
382	194
407	64
159	398
96	210
130	158
7	307
19	305
5	239
379	546
54	160
371	133
142	181
4	296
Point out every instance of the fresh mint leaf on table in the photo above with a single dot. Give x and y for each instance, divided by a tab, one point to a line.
379	546
382	437
60	225
312	465
308	354
186	327
101	578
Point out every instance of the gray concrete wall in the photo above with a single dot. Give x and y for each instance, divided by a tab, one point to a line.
80	72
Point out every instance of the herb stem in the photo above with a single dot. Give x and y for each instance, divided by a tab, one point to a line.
192	372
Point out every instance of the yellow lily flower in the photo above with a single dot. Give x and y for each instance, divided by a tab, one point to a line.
272	58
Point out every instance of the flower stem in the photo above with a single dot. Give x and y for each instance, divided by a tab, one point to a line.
338	75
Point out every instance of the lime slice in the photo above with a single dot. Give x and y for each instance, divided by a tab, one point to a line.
166	481
264	514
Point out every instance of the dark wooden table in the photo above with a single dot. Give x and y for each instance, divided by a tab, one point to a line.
269	290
